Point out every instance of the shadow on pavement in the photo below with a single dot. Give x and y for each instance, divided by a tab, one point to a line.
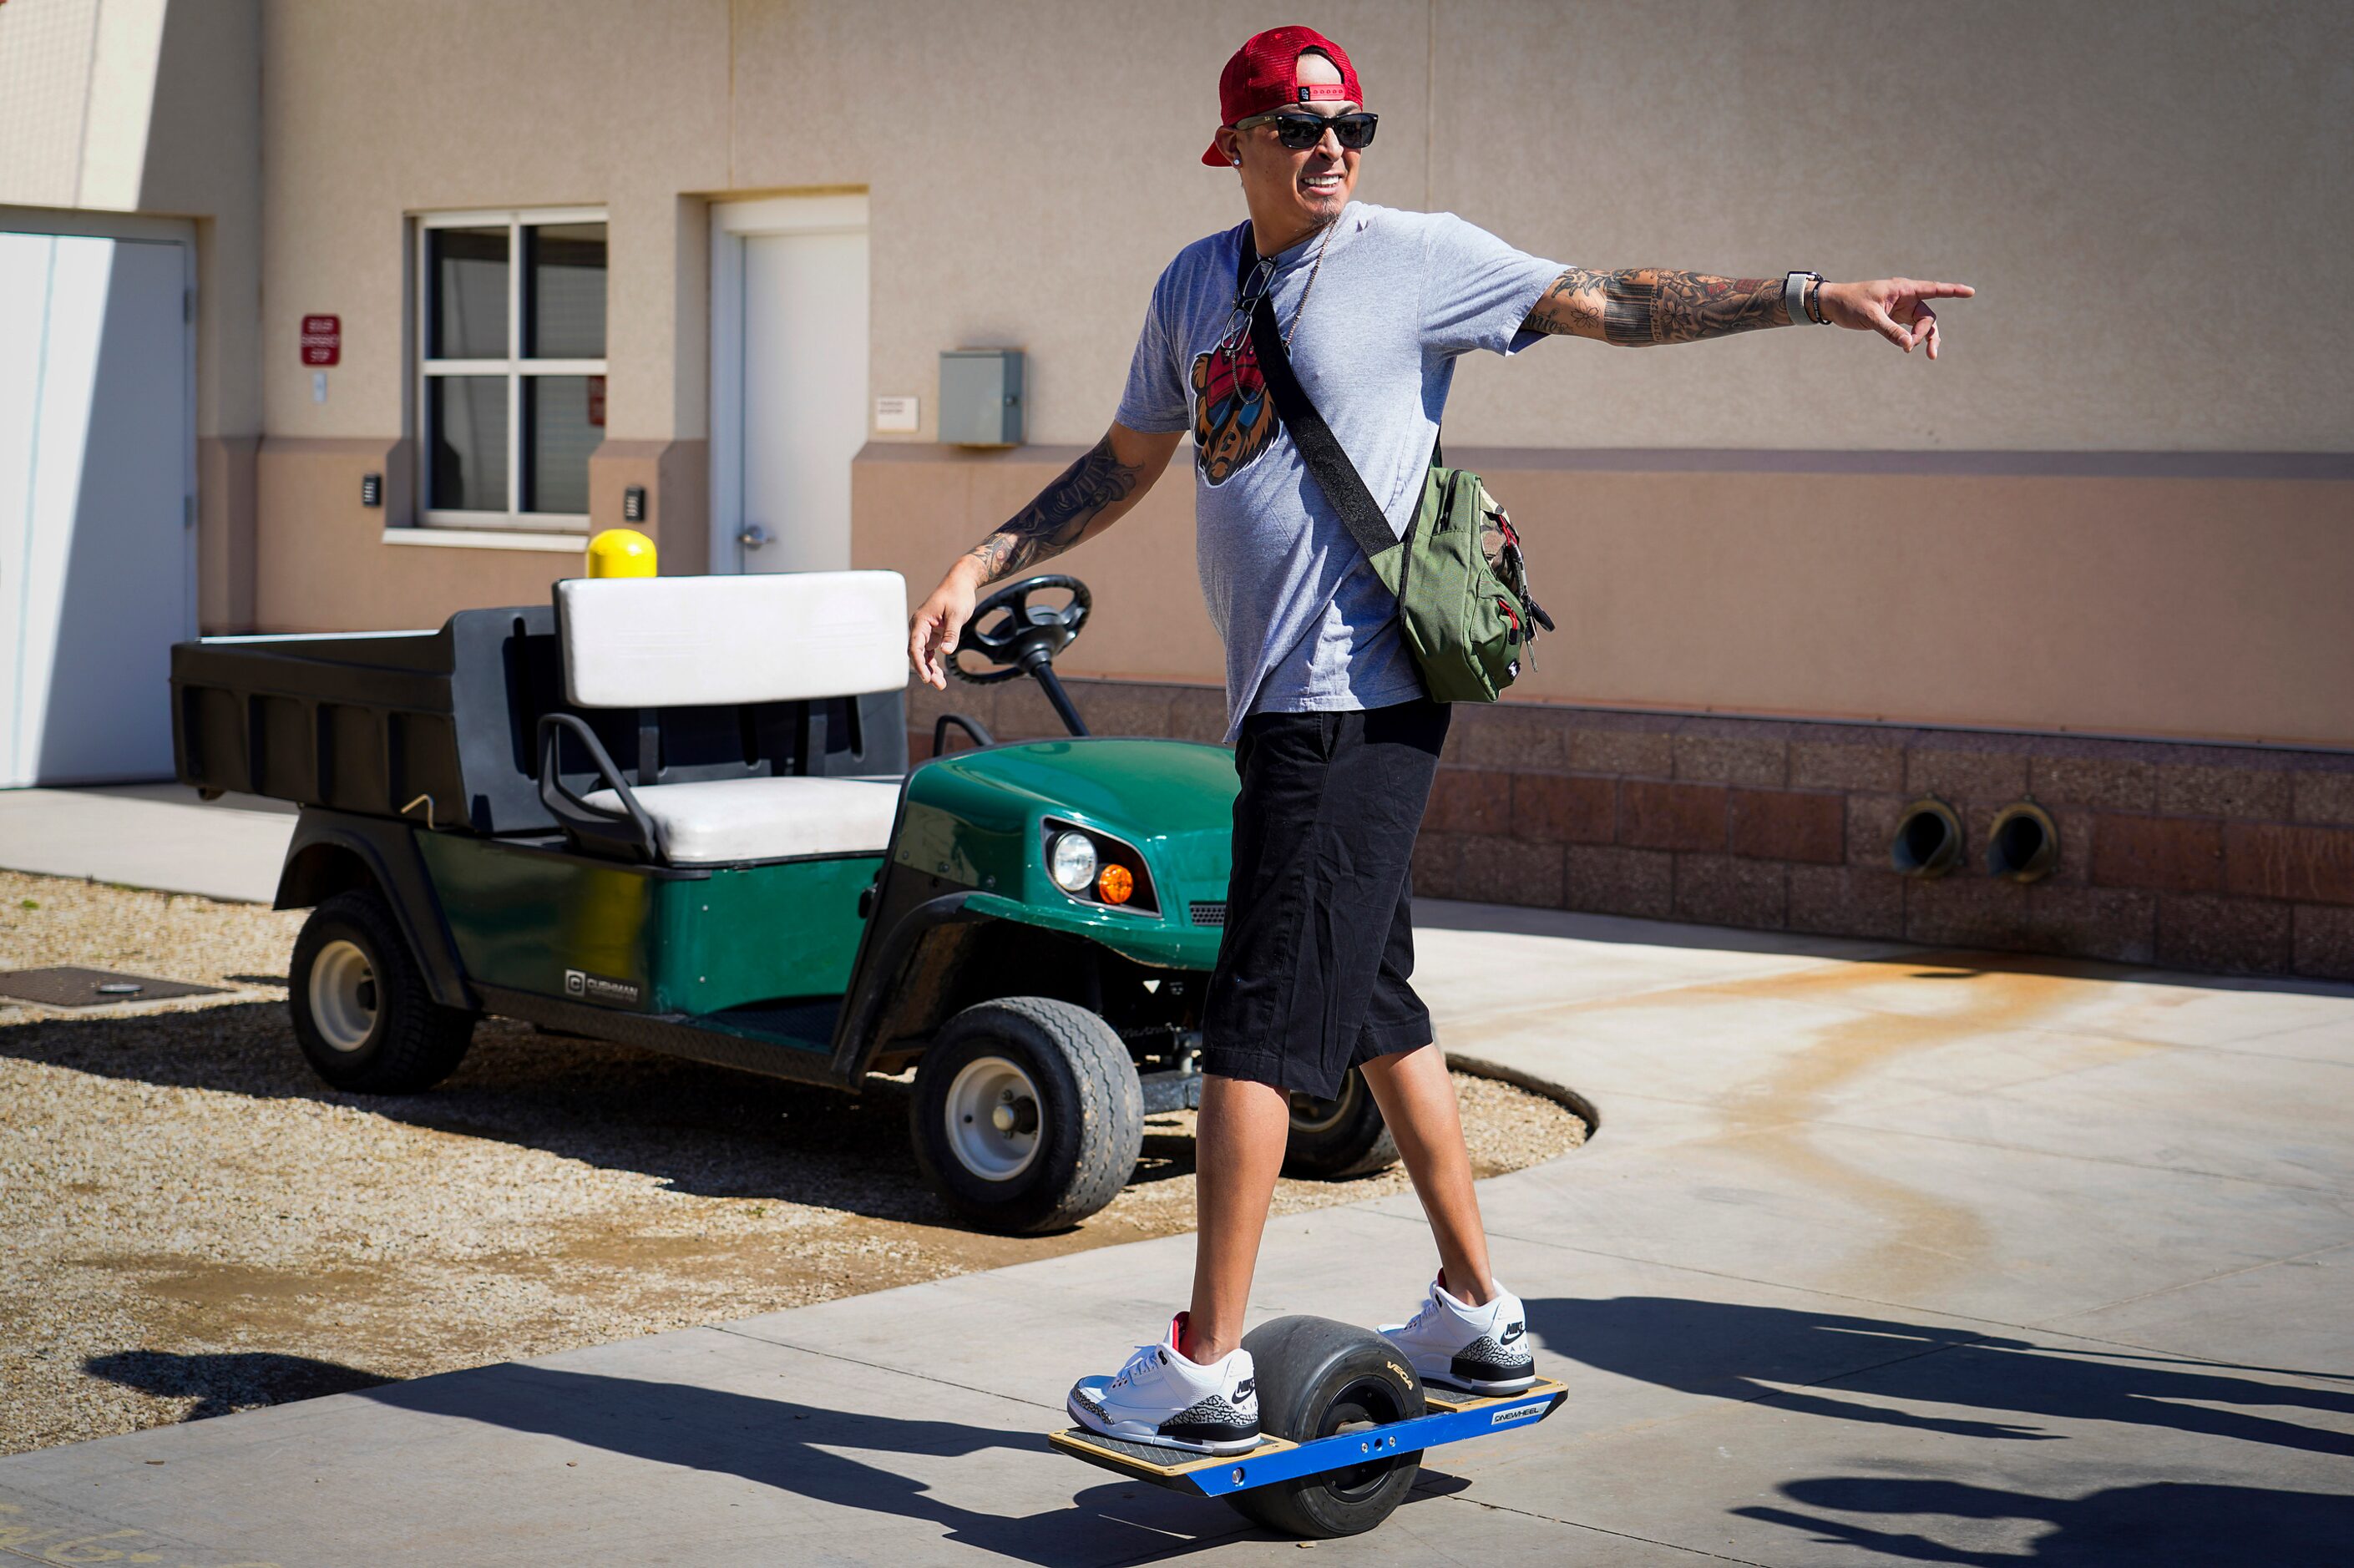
1731	1350
2009	1388
793	1447
2180	1523
702	1129
225	1382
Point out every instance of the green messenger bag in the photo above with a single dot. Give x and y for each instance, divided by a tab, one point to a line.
1461	581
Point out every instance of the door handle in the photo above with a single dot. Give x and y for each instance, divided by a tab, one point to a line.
754	537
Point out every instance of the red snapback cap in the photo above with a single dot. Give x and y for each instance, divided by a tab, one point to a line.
1264	74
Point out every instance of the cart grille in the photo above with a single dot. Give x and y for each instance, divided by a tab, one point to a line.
1208	912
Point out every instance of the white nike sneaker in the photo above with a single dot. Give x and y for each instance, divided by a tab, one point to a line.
1477	1349
1162	1398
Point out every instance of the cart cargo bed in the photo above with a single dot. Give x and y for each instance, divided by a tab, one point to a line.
439	724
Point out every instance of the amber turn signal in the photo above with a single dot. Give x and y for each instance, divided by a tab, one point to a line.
1116	885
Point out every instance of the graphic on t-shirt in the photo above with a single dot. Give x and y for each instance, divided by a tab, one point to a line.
1234	418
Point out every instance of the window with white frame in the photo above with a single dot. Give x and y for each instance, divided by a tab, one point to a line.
511	366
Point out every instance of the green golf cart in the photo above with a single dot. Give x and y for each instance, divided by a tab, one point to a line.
676	812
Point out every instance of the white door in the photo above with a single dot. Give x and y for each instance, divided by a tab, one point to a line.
789	396
96	551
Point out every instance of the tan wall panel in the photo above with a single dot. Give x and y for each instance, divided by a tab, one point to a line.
225	532
321	563
676	477
2183	608
2192	608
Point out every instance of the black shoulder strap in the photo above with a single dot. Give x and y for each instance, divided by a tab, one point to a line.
1334	474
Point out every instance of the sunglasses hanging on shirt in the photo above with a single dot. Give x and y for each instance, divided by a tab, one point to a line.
1300	132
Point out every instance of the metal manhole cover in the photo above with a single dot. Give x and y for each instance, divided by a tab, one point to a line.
68	986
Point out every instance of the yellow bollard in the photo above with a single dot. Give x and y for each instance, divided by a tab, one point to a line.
621	553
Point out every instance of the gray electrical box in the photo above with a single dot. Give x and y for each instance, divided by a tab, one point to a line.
980	396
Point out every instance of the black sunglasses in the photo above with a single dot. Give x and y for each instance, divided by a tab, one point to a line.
1300	132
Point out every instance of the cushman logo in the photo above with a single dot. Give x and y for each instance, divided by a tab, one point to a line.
597	988
1521	1413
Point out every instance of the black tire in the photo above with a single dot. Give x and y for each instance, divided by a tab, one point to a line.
1317	1378
384	1033
1078	1139
1336	1138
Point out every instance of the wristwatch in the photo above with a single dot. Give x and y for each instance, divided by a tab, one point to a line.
1802	297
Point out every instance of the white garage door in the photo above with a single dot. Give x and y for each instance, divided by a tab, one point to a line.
97	553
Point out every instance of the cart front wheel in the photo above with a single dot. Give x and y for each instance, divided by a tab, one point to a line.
361	1012
1027	1114
1320	1379
1336	1138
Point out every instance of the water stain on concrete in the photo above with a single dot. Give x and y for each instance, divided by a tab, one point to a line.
1909	1239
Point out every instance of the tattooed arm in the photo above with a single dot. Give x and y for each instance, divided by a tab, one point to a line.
1644	305
1087	498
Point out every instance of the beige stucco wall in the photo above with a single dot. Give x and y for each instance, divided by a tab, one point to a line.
2136	188
2147	196
372	112
153	106
2087	166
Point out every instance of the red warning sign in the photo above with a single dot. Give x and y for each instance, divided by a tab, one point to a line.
323	340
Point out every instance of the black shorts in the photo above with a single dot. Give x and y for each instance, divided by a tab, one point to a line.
1314	966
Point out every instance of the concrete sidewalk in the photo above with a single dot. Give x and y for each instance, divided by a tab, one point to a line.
149	835
1879	1255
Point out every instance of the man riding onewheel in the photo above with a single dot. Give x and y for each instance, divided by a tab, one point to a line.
1336	737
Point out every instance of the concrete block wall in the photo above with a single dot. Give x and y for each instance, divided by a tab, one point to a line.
2218	859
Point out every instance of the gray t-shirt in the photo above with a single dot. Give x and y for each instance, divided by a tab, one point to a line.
1306	624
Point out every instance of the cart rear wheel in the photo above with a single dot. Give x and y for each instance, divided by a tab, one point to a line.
1027	1114
1317	1379
361	1013
1339	1138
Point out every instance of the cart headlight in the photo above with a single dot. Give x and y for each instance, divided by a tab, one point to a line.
1096	868
1071	861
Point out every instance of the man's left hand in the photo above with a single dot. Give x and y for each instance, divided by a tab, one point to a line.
1895	308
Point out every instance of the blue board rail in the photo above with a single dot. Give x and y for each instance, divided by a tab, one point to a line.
1451	1419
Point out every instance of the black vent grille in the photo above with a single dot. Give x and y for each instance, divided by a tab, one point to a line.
1207	912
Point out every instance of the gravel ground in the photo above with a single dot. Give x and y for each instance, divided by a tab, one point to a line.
192	1224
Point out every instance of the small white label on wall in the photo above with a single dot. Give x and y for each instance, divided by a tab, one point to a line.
318	386
897	416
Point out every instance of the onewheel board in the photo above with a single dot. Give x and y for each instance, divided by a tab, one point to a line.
1452	1418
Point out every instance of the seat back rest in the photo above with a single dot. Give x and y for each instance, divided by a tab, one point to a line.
659	643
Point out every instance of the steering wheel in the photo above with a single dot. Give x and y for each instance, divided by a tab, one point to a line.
1026	635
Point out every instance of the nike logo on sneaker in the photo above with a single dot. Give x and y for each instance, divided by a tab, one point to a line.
1514	1331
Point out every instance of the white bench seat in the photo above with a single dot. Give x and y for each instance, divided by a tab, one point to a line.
731	820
